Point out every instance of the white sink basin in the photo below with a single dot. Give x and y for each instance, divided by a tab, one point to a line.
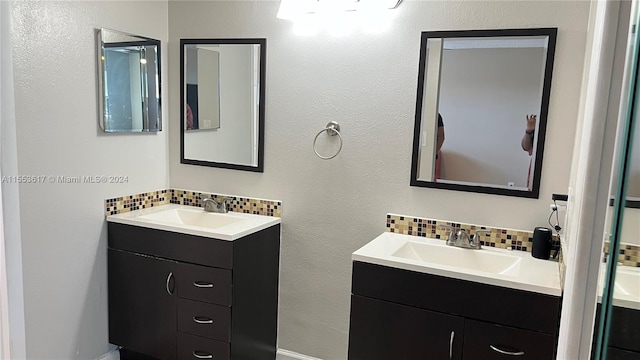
195	221
499	267
628	283
445	255
194	217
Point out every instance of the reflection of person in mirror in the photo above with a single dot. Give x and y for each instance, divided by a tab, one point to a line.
439	142
189	118
527	140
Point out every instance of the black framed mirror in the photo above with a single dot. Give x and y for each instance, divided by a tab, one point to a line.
481	110
222	103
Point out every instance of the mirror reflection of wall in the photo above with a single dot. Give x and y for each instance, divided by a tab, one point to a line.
203	84
129	67
485	107
630	227
484	85
634	171
222	102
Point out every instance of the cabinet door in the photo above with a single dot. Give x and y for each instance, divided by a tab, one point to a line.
485	341
621	354
384	330
142	306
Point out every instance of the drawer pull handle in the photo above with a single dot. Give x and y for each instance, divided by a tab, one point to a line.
167	285
198	356
200	284
512	353
453	334
198	320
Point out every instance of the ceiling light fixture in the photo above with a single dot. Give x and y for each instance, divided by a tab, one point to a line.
301	10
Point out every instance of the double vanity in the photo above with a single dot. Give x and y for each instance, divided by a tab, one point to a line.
190	284
418	298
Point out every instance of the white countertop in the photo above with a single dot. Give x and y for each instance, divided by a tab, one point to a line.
244	224
530	274
626	292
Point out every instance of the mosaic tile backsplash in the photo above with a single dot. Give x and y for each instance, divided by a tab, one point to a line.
192	198
128	203
629	254
236	204
499	238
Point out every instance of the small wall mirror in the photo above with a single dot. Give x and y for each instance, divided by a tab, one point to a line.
129	82
222	103
481	110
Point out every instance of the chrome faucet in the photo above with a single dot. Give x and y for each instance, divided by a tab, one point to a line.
213	205
462	239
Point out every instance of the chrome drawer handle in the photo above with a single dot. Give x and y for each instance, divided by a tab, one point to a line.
200	284
512	353
453	334
167	285
202	320
198	356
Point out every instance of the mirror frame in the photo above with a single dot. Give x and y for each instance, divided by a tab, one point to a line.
261	99
148	125
544	108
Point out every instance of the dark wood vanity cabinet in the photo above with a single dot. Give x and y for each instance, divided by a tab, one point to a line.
177	296
401	314
623	339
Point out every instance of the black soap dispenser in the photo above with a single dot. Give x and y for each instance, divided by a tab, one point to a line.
541	248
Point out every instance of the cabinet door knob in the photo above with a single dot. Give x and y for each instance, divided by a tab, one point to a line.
198	356
198	320
506	352
200	284
453	334
169	291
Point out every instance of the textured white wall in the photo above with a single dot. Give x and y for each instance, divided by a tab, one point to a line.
368	84
63	228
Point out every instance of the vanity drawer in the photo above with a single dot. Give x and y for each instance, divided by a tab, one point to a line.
195	347
490	341
211	285
171	245
206	320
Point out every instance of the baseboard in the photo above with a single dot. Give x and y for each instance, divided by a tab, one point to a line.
290	355
280	355
111	355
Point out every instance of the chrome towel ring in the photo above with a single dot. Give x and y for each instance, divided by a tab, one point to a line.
333	129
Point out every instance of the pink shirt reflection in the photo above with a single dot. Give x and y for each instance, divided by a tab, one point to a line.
189	118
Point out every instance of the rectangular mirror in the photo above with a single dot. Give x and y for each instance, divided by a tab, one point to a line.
129	82
222	103
481	110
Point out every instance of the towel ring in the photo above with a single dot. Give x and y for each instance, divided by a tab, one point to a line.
333	129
